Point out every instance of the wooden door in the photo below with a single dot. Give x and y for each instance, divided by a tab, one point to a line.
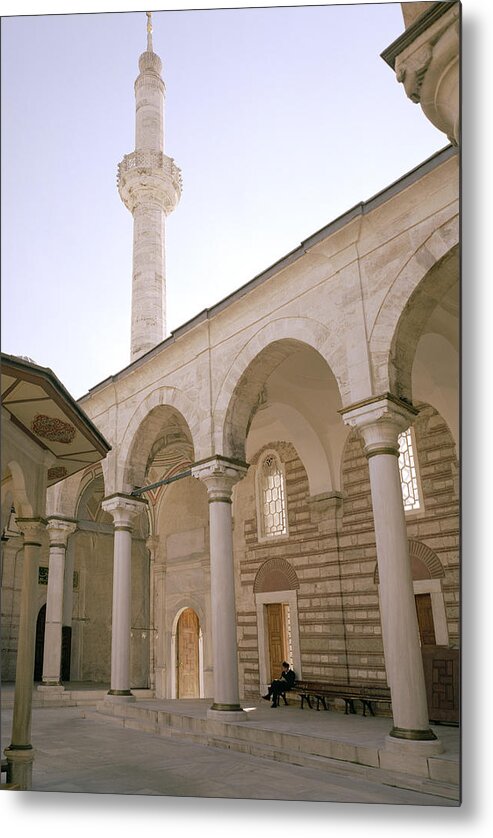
441	668
425	619
188	655
277	638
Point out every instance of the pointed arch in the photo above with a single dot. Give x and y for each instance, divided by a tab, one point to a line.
419	286
237	398
133	450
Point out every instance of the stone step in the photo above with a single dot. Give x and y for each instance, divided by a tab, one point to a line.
68	698
296	749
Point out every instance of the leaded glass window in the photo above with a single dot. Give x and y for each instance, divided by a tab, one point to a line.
408	473
272	497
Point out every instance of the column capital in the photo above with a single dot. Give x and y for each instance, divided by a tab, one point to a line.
380	420
59	529
123	508
32	529
220	475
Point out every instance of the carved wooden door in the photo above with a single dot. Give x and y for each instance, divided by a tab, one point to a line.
425	619
277	639
441	666
188	655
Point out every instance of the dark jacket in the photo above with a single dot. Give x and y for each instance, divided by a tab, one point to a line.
289	677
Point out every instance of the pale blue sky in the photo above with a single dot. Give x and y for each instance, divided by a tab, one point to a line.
281	119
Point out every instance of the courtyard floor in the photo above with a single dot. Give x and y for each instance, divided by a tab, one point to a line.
80	750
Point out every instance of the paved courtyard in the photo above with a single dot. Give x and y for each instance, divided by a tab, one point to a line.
81	751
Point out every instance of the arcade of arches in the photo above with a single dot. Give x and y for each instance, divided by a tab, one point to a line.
308	590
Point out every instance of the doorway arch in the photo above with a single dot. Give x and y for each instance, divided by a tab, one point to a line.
187	654
275	590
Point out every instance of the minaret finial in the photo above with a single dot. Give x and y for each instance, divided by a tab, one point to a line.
149	32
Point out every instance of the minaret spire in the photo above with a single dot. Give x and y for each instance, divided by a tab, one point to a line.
149	184
149	32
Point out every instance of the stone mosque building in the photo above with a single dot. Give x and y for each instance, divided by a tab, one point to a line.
282	479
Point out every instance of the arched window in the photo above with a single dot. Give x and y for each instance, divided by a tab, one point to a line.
411	495
271	497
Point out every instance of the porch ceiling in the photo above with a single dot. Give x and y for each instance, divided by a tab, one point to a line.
44	410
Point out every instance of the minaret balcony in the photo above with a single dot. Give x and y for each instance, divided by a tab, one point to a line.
149	176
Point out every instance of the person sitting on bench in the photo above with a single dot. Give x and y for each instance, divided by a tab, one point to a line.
281	685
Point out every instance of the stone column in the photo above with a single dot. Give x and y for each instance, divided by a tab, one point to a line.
68	606
380	421
219	475
152	545
20	753
59	530
123	508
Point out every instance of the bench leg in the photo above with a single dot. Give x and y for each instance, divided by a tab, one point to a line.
284	697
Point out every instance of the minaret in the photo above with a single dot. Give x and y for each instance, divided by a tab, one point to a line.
149	184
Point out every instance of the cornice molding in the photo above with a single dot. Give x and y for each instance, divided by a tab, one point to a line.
420	25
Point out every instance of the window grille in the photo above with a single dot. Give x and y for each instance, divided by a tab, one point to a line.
273	504
408	473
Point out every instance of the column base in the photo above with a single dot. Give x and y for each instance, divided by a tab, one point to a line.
20	766
417	746
227	713
120	696
51	687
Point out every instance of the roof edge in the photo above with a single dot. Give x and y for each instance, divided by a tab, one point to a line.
13	363
420	25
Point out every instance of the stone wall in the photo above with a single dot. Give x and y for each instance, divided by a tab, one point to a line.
312	554
331	548
439	524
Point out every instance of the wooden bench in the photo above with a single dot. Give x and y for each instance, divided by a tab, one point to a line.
320	692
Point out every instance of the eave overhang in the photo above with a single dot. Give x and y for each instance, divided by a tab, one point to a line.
38	403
